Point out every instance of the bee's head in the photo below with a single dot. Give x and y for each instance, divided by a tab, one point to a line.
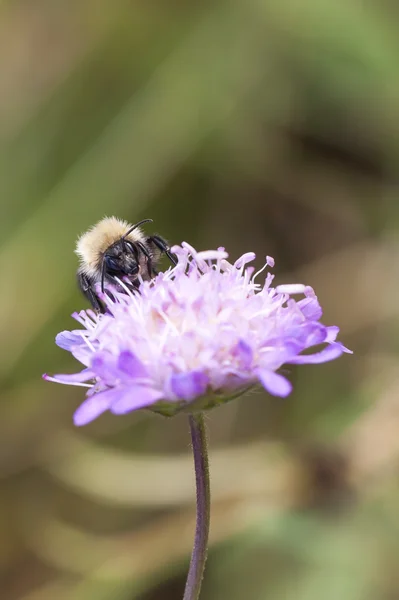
121	259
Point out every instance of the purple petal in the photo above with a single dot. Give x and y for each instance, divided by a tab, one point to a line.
84	375
94	406
306	333
331	352
276	352
69	339
104	365
188	386
83	354
345	349
332	333
243	352
274	383
315	334
310	308
134	398
129	364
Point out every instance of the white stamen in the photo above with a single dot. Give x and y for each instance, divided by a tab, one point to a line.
84	338
55	380
124	286
259	272
212	255
291	288
78	317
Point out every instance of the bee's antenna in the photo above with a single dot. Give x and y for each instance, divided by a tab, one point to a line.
135	226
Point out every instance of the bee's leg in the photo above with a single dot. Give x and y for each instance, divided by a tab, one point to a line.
88	290
150	268
163	247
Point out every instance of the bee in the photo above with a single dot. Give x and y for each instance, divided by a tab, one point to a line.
114	250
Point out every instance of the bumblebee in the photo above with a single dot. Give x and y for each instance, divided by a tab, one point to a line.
114	249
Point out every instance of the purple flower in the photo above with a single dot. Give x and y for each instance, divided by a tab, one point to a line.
195	336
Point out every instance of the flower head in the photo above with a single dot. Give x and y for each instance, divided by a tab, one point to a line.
193	337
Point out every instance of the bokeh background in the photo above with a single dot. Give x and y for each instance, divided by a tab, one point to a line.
265	125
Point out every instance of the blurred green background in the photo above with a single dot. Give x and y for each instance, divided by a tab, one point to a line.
261	125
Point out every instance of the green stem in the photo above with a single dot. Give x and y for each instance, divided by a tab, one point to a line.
199	553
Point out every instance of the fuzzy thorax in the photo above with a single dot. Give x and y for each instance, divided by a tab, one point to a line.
91	245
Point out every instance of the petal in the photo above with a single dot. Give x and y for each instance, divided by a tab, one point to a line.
276	353
310	308
129	364
243	353
332	333
72	378
315	334
83	354
104	365
94	406
331	352
134	398
188	386
69	339
305	333
274	383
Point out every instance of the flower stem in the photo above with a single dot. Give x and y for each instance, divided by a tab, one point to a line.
201	464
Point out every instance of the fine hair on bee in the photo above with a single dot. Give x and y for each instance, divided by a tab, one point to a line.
113	250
